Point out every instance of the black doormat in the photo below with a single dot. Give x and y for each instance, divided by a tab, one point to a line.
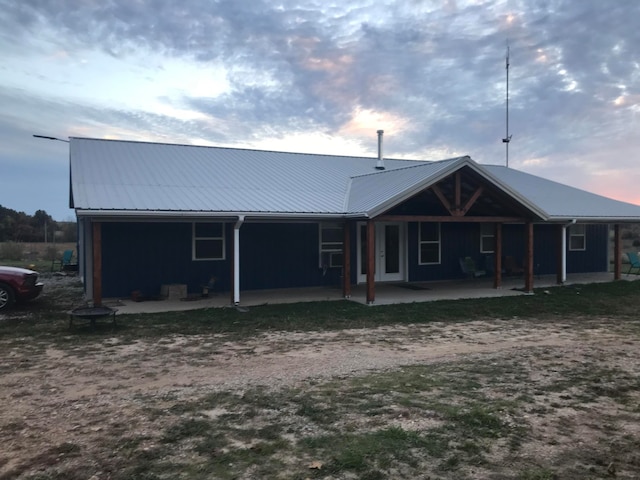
411	286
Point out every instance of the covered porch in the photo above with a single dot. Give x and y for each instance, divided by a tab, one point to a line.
387	293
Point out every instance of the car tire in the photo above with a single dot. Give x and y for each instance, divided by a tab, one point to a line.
6	297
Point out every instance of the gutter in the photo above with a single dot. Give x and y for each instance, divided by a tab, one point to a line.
162	215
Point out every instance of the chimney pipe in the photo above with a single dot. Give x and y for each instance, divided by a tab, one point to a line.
380	164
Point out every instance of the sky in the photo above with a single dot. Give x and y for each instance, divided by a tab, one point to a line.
322	76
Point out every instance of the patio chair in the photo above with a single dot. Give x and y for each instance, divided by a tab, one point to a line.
469	268
63	262
634	262
511	267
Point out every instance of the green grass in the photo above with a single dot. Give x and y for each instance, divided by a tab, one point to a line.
593	300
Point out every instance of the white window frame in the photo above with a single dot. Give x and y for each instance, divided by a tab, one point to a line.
487	230
421	242
332	249
195	239
577	231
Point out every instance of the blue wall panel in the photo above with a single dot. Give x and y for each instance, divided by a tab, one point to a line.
282	255
594	258
144	256
463	239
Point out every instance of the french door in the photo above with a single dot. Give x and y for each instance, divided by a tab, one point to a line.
389	251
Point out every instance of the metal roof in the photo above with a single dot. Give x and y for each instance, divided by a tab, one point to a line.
122	175
562	202
150	179
382	189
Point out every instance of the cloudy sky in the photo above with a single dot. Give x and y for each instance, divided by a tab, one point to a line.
322	76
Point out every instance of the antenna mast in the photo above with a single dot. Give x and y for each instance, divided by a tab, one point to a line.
507	137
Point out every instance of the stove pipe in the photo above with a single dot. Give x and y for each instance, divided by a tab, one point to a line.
380	164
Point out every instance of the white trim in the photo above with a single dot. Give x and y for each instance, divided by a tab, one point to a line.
484	235
583	234
194	240
439	242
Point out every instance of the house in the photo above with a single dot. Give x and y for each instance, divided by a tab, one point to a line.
152	214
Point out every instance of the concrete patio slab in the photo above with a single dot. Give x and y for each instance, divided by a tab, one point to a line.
386	294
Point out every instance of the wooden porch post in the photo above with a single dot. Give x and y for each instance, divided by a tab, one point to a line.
346	260
560	246
97	264
497	266
528	269
617	253
371	264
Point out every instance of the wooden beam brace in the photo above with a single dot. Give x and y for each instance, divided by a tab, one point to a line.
472	200
442	198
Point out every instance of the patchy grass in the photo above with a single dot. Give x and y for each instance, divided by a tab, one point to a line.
424	426
528	413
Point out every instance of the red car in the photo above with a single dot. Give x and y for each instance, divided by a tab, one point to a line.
17	284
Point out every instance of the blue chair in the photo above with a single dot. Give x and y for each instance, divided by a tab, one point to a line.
469	268
634	262
65	261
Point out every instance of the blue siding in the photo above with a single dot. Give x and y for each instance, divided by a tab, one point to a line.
594	258
144	256
463	239
282	255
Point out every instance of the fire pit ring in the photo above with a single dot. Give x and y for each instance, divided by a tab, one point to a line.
92	314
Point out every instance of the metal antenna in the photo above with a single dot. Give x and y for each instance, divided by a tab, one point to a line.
507	138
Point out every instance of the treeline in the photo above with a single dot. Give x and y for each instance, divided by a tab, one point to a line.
39	227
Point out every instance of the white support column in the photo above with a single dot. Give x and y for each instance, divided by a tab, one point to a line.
236	260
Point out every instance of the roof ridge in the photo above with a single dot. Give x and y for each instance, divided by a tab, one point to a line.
419	163
240	148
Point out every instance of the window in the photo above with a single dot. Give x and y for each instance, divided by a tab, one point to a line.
578	237
429	243
331	245
208	241
487	238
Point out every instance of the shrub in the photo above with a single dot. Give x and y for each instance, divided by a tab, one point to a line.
12	251
51	253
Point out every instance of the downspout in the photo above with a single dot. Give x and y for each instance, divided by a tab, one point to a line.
563	253
236	260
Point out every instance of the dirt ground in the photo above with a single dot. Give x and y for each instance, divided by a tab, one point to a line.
74	395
